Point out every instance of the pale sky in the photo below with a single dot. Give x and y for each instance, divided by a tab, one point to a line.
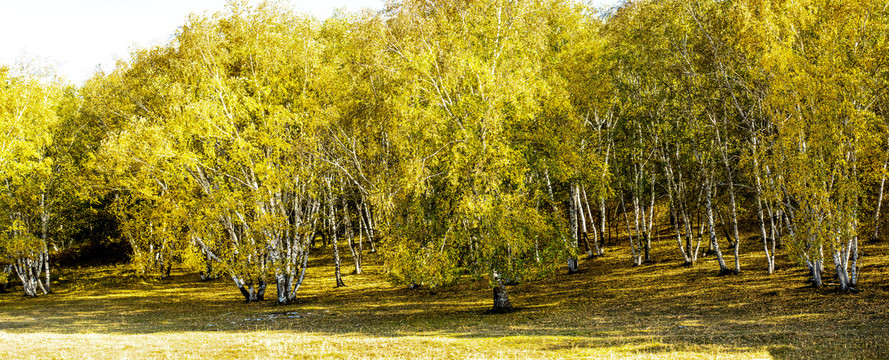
77	37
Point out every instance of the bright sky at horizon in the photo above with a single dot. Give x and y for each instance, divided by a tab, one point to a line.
78	37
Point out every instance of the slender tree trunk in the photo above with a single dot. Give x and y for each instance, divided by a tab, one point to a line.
572	261
641	234
842	271
854	270
350	235
589	212
692	246
876	236
711	226
612	217
637	257
369	226
773	231
280	257
46	268
677	226
336	248
681	222
736	243
582	216
842	256
302	273
603	216
573	210
649	224
770	260
44	225
778	219
815	269
690	234
29	270
207	274
22	269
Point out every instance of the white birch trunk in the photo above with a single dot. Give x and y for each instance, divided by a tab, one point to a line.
879	202
572	263
333	238
573	210
711	227
582	216
592	223
350	235
770	258
637	258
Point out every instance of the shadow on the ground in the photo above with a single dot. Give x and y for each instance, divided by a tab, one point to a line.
660	307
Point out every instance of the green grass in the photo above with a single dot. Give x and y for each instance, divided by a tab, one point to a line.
610	310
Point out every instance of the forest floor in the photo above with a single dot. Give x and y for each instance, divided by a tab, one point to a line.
610	310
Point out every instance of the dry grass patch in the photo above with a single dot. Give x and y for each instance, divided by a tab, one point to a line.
611	310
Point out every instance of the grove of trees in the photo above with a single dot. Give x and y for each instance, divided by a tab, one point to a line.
461	139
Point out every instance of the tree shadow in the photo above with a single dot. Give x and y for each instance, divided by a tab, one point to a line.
657	308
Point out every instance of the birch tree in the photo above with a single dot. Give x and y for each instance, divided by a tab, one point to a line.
235	112
28	171
825	122
472	82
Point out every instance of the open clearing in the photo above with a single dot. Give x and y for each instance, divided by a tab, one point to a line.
609	310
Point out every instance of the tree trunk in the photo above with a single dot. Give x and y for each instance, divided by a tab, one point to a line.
354	248
842	272
207	273
677	228
246	289
260	292
302	274
674	197
711	226
770	260
773	231
815	269
46	268
583	228
876	236
603	216
29	270
589	211
648	224
22	269
369	226
572	261
44	225
736	243
282	285
501	299
637	257
690	234
640	232
854	270
336	249
572	215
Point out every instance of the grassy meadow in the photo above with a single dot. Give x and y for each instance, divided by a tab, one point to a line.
610	310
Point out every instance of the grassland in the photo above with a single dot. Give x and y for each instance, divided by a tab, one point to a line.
610	310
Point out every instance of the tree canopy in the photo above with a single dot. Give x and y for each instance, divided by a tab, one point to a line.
463	139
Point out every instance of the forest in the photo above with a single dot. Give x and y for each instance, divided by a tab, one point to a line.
460	141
